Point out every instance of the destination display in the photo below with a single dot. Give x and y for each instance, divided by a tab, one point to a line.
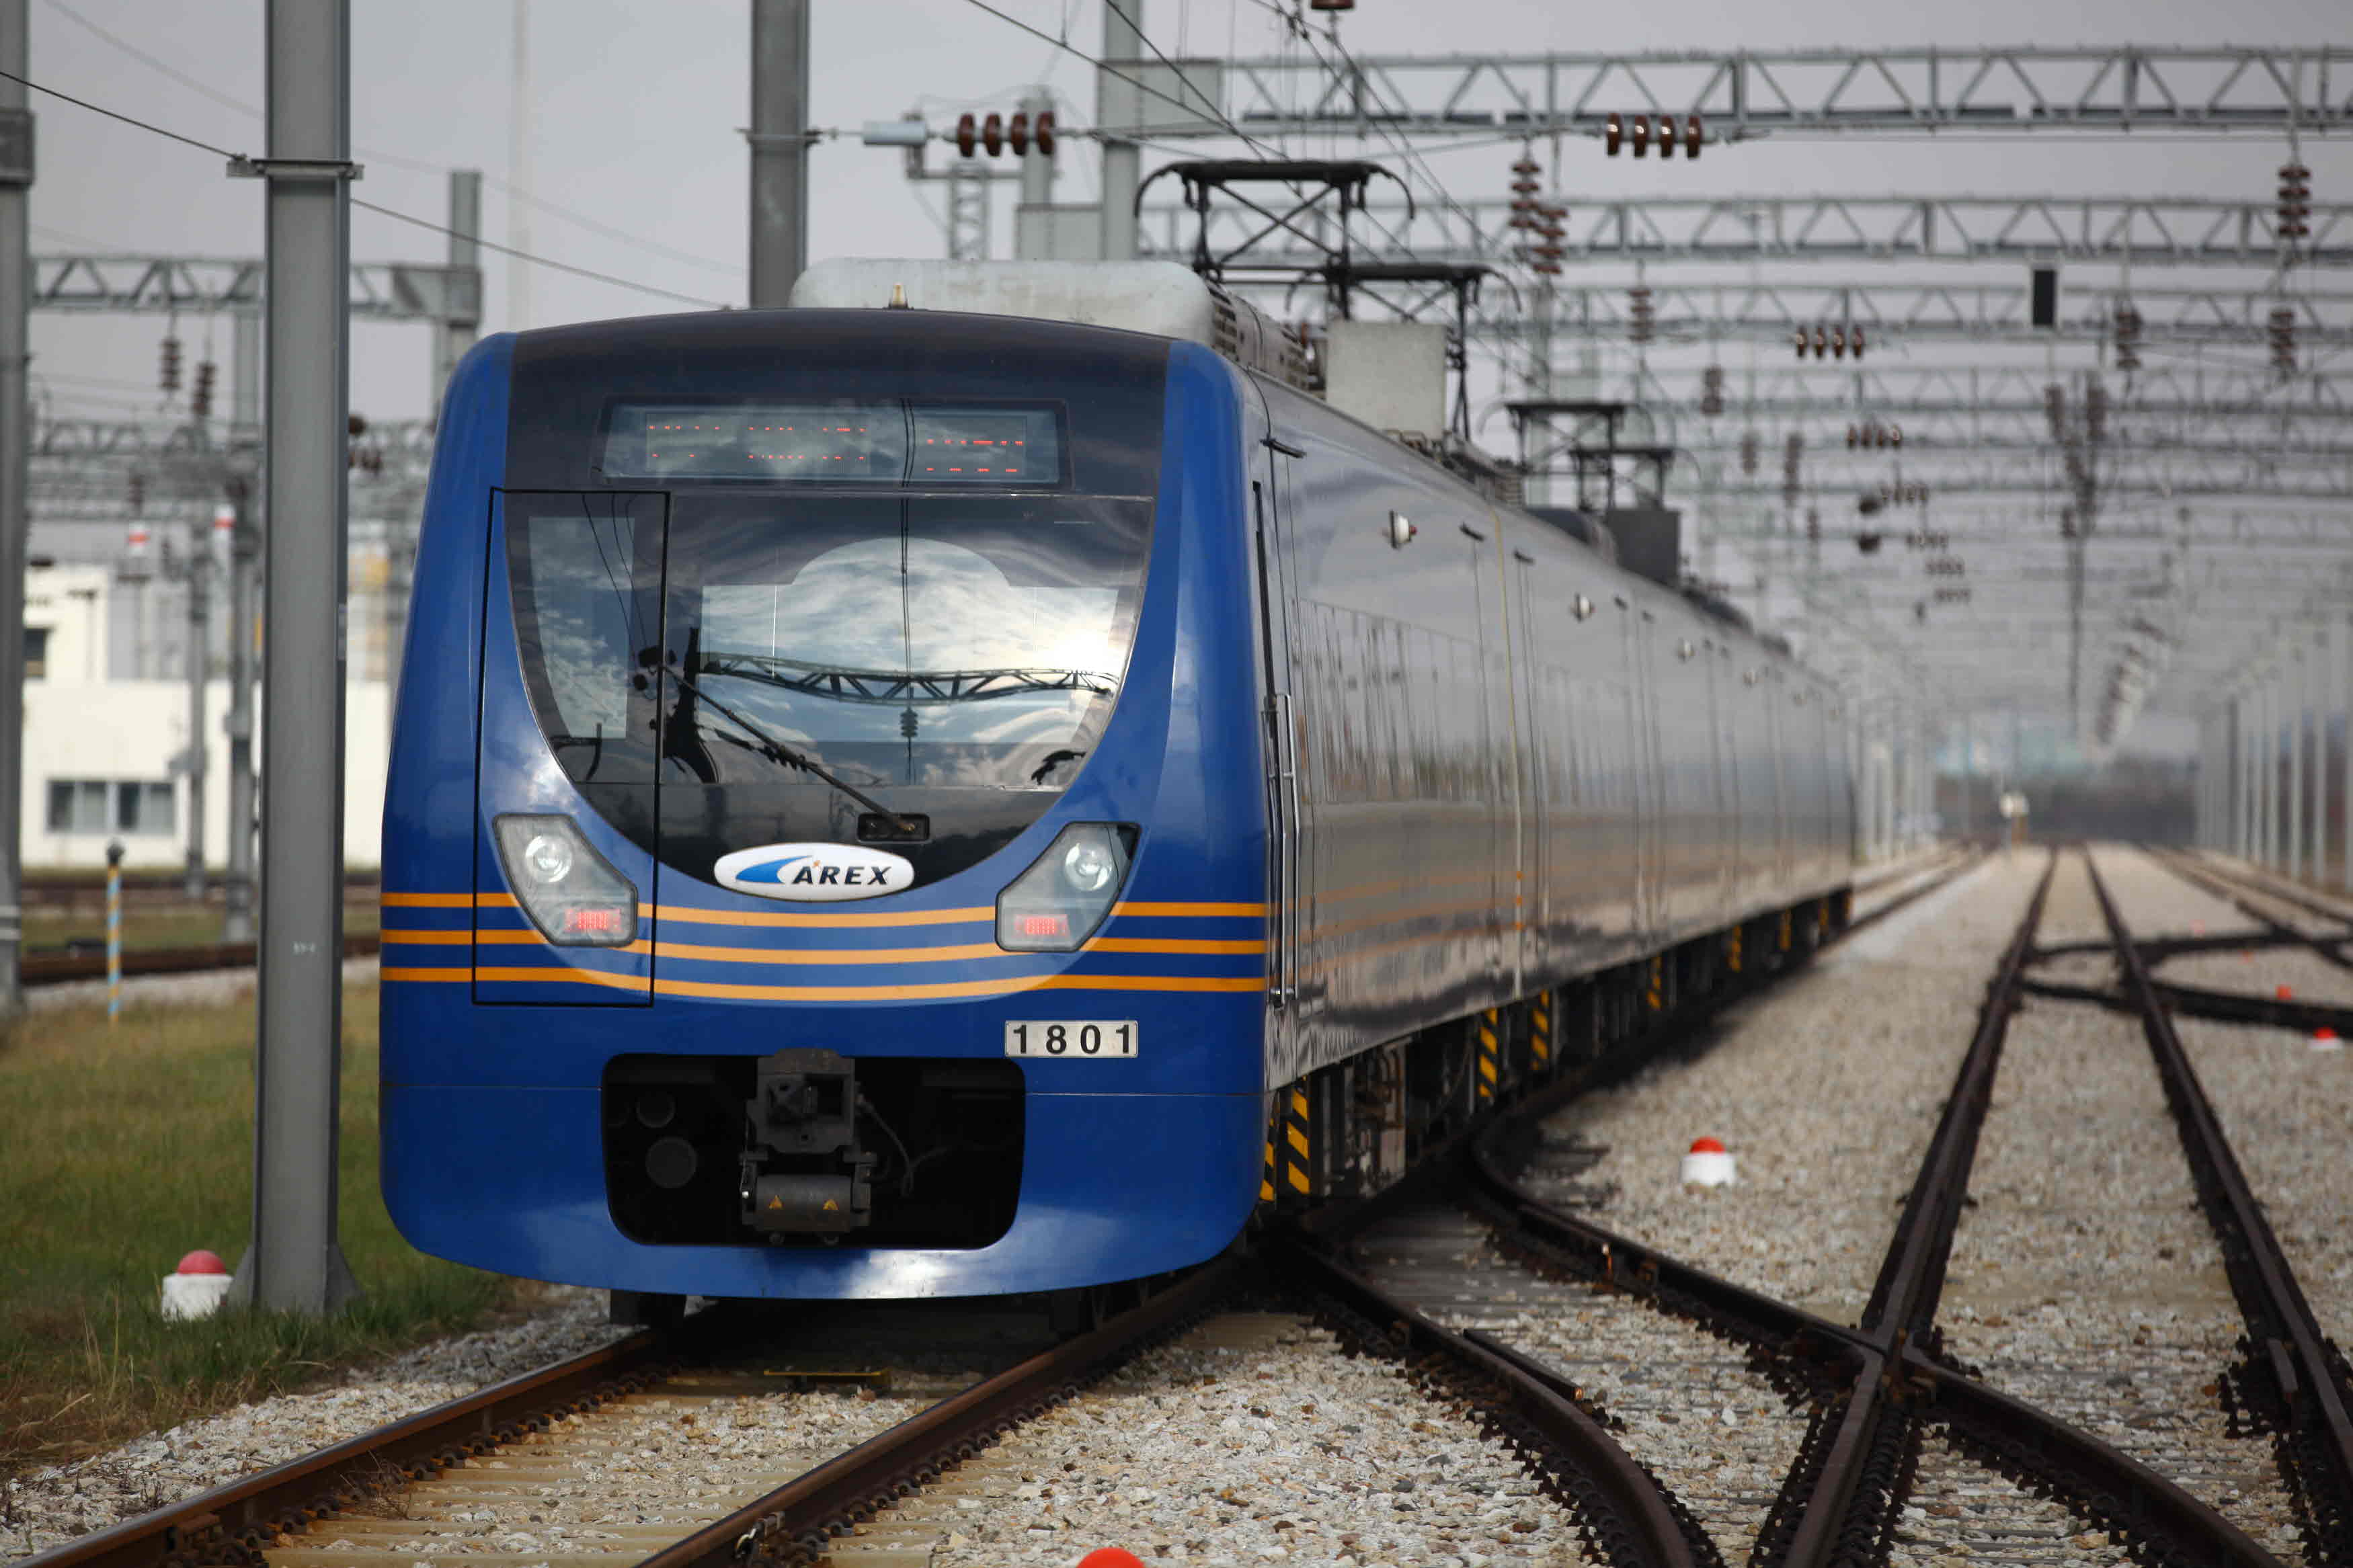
921	445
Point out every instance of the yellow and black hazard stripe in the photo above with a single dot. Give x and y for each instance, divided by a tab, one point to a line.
1268	1173
1298	1147
1732	948
1540	1033
1490	1055
1655	995
1785	931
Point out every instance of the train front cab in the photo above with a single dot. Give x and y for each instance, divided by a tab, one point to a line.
646	680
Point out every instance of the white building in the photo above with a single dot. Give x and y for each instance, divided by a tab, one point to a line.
103	758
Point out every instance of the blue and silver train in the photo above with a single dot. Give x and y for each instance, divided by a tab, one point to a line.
891	802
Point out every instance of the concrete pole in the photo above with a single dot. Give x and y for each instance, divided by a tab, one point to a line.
1036	168
15	417
295	1264
1119	103
200	645
2344	662
2245	704
245	378
2315	719
519	112
244	546
2269	763
452	339
2293	684
779	138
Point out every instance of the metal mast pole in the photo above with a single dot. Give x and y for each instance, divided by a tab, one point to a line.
1118	103
452	339
244	546
295	1264
779	138
200	640
16	290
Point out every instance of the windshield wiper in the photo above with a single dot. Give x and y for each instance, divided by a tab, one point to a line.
777	751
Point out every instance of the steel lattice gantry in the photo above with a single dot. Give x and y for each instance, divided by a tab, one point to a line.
1769	310
2144	231
195	286
1314	91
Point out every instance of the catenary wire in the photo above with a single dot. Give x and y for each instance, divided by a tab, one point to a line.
378	155
373	207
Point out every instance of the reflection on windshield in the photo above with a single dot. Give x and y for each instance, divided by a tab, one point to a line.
920	642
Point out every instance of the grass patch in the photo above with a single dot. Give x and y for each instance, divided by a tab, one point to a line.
123	1147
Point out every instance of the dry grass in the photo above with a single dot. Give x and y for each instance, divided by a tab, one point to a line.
120	1149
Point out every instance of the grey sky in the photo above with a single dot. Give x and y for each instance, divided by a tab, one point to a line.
639	107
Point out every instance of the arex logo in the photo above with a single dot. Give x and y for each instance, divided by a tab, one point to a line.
814	873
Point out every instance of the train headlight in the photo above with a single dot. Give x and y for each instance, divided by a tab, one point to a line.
573	894
1064	895
547	858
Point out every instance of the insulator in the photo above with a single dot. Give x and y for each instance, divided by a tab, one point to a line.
2067	522
1666	136
1690	136
1895	435
1044	131
1838	343
200	399
1822	341
1710	395
1801	340
1613	133
1016	133
1526	168
1813	525
1854	437
1641	134
992	135
1557	214
1550	269
1639	313
136	492
2054	410
967	134
2095	411
1749	452
355	425
1854	340
1545	252
170	376
1793	449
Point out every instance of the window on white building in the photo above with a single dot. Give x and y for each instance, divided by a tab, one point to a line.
37	653
143	807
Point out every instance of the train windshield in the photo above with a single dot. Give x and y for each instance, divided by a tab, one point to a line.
951	658
926	642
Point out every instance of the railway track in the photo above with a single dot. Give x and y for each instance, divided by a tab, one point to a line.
1889	1415
62	968
525	1472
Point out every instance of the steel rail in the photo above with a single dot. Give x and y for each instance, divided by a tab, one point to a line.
1628	1511
2290	1352
2219	1006
795	1521
233	1524
1877	1360
1852	1496
62	968
2330	950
